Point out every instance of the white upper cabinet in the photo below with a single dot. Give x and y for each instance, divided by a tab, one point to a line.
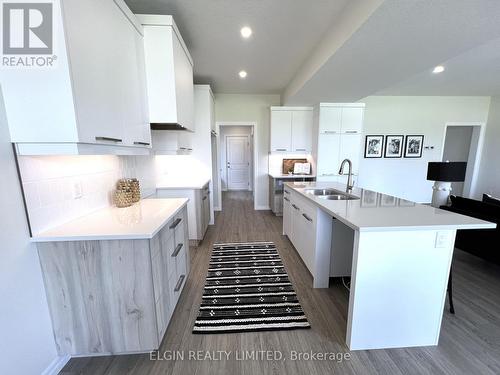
169	74
291	129
95	94
340	128
302	131
352	119
330	119
281	130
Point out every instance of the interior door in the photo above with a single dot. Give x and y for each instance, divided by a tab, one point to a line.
237	163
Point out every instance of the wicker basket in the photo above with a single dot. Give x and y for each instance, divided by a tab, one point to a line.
127	192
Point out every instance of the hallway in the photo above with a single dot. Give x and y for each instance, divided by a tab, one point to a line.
466	339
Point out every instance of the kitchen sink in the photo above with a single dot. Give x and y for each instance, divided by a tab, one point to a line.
322	192
330	194
338	197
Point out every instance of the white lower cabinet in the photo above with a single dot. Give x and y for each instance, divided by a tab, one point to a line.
299	224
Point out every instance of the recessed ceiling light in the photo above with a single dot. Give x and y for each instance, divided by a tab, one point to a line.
242	74
438	69
246	32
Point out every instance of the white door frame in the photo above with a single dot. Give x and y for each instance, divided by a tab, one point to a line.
249	155
255	160
476	150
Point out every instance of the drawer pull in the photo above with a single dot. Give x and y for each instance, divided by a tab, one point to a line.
142	143
351	131
307	217
287	192
108	139
179	283
177	249
175	223
300	149
281	149
330	132
285	198
205	197
294	206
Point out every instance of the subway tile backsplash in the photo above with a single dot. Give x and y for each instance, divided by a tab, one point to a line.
62	188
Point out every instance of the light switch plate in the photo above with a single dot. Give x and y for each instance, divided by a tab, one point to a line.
442	239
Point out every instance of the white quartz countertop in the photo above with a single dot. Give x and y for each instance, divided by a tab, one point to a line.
181	185
140	221
284	176
378	212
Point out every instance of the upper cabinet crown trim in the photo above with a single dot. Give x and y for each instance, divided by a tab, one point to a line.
164	20
130	16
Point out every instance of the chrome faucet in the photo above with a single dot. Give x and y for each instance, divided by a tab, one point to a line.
349	178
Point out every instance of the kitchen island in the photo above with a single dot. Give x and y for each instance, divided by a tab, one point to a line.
397	253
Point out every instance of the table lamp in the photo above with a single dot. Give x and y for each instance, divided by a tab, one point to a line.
444	173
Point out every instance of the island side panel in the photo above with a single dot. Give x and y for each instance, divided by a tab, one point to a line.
398	288
100	295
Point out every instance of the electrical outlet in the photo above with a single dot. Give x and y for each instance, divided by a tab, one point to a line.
77	190
442	239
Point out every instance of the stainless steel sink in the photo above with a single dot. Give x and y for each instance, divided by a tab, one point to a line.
338	197
321	192
331	194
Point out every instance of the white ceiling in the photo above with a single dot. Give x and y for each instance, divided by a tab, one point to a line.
402	39
284	33
365	47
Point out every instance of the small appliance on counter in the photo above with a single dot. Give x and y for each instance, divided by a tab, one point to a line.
293	170
127	192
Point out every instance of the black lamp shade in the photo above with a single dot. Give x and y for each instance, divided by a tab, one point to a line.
447	171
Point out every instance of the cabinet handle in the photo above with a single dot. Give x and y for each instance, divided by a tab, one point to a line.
175	223
307	217
182	148
330	132
281	149
285	198
300	149
179	283
177	249
294	206
142	143
205	197
287	192
328	174
351	132
108	139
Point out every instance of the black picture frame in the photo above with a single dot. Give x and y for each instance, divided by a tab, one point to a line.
369	152
387	148
410	149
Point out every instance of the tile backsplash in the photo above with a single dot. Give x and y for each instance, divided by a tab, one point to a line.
61	188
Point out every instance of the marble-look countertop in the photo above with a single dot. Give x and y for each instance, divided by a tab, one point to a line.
378	212
140	221
182	185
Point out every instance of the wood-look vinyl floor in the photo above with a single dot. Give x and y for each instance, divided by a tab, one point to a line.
469	343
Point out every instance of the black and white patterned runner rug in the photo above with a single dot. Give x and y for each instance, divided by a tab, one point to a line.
247	289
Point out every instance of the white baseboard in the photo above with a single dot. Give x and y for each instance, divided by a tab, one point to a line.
261	208
57	365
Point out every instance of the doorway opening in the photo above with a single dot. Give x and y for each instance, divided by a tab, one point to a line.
236	158
463	142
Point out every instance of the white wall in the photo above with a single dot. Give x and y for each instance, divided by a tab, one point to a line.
234	130
49	184
403	115
251	108
489	171
26	340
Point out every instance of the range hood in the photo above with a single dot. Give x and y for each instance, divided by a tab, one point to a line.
169	74
168	126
